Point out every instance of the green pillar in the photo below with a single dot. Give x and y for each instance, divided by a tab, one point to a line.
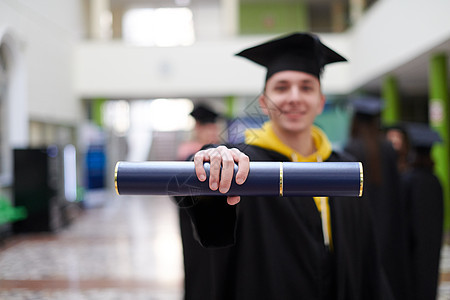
97	111
390	94
230	101
439	120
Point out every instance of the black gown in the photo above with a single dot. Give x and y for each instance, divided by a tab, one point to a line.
388	211
423	194
195	258
273	248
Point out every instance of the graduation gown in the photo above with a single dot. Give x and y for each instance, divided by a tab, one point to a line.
196	262
388	212
273	247
423	194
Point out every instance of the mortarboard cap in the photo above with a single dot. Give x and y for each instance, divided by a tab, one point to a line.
368	106
297	52
421	135
204	114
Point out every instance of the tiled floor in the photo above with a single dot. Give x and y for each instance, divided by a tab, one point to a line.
127	249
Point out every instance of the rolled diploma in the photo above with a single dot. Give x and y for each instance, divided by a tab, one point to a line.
176	178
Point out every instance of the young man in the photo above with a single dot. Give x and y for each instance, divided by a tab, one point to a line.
284	247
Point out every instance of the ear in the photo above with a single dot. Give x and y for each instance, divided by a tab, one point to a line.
262	104
322	103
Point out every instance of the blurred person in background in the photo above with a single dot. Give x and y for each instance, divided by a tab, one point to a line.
284	247
381	189
195	257
206	131
397	136
422	193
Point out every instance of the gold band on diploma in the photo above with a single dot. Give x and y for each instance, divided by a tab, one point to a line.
281	179
115	177
361	179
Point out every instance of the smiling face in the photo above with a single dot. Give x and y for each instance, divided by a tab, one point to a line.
292	100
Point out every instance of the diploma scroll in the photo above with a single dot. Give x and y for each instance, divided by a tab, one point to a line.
264	179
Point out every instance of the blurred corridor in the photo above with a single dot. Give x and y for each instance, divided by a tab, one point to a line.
129	248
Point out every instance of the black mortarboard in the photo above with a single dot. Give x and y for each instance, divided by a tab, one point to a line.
298	52
204	114
421	135
368	106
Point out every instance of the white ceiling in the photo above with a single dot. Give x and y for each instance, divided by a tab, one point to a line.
412	76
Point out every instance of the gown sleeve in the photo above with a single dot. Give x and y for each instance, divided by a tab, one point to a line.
214	220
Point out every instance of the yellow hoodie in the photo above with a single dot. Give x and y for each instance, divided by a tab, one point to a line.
266	138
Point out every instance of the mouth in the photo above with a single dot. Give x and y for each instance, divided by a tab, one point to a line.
293	114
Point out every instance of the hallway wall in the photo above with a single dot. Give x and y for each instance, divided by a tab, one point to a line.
47	32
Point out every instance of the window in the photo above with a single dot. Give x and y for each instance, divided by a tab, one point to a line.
170	114
150	126
116	116
164	27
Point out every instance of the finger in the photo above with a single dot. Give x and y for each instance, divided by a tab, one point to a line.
226	175
243	165
233	200
215	159
199	158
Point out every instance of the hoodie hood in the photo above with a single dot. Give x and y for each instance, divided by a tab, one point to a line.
266	138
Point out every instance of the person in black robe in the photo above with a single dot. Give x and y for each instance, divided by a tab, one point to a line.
284	247
195	257
396	134
422	192
368	144
206	131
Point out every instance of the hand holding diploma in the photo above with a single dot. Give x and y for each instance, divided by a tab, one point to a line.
222	161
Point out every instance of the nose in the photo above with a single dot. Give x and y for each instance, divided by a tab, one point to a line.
294	95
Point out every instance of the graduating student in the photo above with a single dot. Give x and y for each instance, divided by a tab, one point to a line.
284	247
422	192
368	144
195	257
206	131
396	134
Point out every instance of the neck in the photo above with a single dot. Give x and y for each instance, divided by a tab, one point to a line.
301	142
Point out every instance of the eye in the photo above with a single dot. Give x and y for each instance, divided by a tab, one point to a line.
307	88
281	88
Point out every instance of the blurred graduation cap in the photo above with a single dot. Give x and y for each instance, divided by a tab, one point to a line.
421	135
297	52
203	114
369	106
